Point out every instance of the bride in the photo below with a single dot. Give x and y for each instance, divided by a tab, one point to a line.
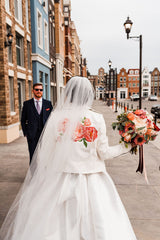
67	193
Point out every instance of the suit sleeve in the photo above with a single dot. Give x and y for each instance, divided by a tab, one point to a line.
23	119
104	150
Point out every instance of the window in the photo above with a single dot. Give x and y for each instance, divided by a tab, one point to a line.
45	5
155	84
41	76
124	84
138	78
129	84
20	50
7	5
122	94
50	32
18	10
121	79
46	85
124	79
134	78
28	55
145	76
136	72
11	94
46	36
9	47
137	84
30	88
53	36
134	84
27	19
122	73
65	9
129	78
39	23
121	85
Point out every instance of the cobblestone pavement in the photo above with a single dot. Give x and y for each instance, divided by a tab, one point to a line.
141	201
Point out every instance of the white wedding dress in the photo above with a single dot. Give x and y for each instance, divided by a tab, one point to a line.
67	193
79	203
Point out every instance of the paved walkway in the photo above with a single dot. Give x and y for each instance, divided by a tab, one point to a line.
141	201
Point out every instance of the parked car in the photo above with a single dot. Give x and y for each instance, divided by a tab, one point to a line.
154	108
134	97
152	98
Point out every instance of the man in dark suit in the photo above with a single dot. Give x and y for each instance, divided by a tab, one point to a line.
35	113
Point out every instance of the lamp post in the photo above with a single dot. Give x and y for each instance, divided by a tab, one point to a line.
109	80
128	25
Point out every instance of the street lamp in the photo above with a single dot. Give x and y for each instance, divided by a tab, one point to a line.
109	63
128	25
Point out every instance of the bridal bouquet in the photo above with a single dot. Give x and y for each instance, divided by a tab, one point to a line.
136	128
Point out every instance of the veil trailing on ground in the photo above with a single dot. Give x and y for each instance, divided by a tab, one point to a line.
51	155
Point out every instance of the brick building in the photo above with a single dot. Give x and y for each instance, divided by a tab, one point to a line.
133	81
122	84
93	79
68	40
155	82
83	67
100	84
59	46
16	66
76	51
52	51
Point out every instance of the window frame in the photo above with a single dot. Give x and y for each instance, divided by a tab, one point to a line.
21	49
11	94
39	30
46	43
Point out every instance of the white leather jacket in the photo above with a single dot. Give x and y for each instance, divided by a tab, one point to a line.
90	159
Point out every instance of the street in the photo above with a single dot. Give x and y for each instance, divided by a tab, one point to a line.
141	201
145	103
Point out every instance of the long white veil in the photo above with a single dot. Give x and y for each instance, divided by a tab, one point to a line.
51	155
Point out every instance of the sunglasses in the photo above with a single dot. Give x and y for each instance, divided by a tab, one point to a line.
36	89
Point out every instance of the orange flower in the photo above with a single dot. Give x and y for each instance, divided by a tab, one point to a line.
130	116
139	140
129	126
127	137
149	132
87	122
139	112
90	134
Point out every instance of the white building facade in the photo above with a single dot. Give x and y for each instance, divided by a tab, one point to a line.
146	83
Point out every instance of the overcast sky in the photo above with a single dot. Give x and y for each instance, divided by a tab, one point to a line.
100	28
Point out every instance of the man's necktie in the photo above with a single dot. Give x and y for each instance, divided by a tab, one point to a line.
38	107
